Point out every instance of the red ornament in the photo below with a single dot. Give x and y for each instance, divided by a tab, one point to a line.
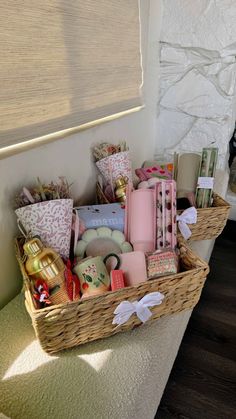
41	293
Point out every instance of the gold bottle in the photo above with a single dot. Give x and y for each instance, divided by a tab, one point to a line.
120	188
46	264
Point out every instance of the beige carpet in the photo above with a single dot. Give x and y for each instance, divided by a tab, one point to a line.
121	377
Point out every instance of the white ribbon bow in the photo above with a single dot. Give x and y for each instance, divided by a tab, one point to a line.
189	216
125	309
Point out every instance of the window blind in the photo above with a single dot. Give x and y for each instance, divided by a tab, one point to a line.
66	63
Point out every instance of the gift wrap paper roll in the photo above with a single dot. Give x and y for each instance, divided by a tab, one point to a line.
166	214
207	169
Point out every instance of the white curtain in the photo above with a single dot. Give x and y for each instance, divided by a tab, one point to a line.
66	63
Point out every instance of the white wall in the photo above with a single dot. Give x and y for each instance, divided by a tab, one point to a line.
198	76
71	156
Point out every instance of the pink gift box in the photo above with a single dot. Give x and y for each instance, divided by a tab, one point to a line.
162	263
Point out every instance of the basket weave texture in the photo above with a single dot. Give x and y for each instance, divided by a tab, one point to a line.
70	324
210	221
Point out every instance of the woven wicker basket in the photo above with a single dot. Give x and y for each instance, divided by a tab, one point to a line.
210	221
71	324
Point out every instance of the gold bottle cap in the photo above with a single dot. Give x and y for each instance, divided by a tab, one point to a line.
33	247
121	181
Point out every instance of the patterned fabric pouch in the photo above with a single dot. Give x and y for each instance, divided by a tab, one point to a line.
162	171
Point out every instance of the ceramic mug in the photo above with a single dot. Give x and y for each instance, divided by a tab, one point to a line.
93	275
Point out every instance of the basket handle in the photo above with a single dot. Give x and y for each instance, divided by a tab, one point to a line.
115	256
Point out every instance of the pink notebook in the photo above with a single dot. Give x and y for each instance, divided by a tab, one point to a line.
133	264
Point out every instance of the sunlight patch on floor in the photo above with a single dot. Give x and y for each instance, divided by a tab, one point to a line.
97	360
29	360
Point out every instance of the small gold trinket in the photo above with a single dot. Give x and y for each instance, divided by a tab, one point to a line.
120	188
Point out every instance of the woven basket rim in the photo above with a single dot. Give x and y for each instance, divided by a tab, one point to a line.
223	204
105	294
200	265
